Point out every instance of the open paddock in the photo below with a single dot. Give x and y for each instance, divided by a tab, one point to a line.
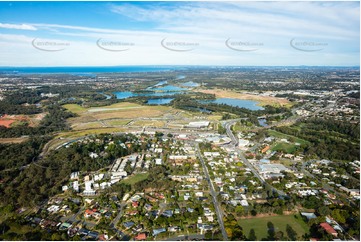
263	100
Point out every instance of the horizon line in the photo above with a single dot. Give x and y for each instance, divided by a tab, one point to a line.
181	66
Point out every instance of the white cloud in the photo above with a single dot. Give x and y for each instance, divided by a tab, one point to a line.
272	23
336	20
17	26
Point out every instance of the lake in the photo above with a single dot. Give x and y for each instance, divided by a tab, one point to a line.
155	92
249	104
158	84
190	84
123	95
159	101
170	88
262	122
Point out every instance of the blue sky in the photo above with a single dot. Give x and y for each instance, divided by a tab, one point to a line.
179	33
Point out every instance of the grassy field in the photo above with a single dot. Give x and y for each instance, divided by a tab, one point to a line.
118	122
215	117
286	162
263	100
117	111
76	134
136	178
280	222
113	118
286	136
285	147
74	108
109	119
91	125
152	123
242	127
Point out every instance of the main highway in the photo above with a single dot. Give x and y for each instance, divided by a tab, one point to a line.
228	126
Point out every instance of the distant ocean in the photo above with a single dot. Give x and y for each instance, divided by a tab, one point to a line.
83	70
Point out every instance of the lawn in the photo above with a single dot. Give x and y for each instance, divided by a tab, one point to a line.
285	147
136	178
279	222
74	108
286	136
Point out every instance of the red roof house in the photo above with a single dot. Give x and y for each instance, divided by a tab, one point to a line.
141	236
328	228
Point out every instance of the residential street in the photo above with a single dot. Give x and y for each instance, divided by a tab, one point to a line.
213	193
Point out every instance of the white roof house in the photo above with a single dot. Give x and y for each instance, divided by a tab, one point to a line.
76	186
88	188
158	161
93	155
243	142
200	124
74	175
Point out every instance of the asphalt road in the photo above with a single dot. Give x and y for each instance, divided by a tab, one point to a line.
213	194
117	218
245	161
186	237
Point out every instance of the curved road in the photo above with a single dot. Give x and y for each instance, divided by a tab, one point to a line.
245	161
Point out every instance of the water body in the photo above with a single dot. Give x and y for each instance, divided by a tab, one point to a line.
262	122
190	84
249	104
160	101
158	84
82	70
180	77
123	95
105	95
156	92
170	88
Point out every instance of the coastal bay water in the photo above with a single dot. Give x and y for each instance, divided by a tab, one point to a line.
83	70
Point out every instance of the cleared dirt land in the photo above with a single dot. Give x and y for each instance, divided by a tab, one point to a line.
14	120
263	100
12	140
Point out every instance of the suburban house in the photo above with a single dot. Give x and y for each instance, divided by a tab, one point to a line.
328	228
158	231
141	236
